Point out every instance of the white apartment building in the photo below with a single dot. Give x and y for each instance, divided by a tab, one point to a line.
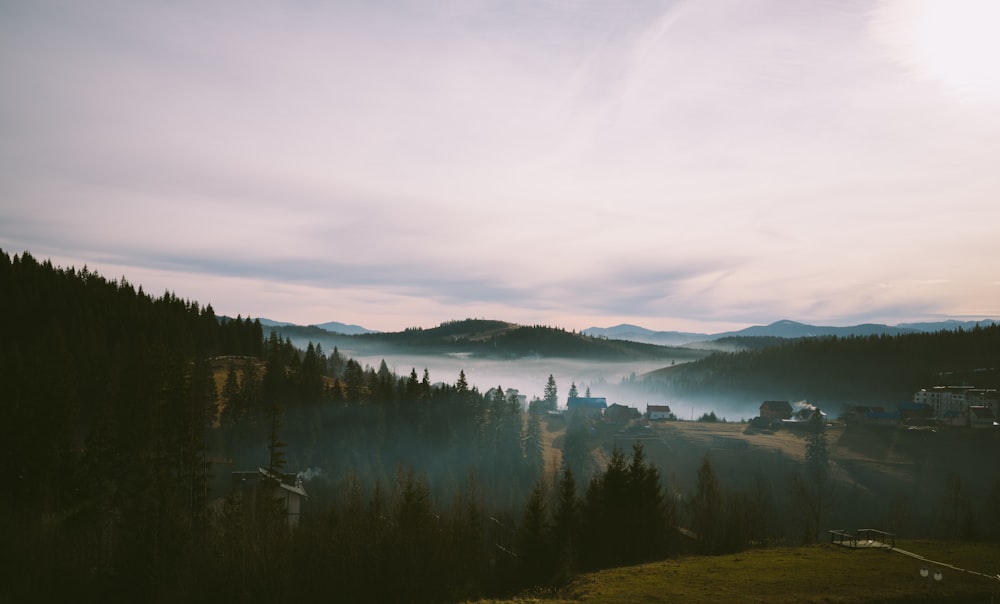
954	401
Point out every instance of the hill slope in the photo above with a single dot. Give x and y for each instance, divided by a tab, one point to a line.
822	573
882	370
490	339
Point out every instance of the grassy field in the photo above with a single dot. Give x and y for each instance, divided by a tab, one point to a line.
819	573
871	465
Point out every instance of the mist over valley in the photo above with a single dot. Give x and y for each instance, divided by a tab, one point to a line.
156	447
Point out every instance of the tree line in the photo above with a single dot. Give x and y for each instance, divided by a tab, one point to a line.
125	412
875	369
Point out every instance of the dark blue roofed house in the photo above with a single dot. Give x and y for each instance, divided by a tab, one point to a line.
916	413
884	418
587	405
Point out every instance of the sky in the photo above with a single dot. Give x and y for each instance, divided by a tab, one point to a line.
692	166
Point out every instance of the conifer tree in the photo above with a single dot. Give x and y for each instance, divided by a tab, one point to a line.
706	508
534	556
534	446
551	396
275	446
565	526
814	491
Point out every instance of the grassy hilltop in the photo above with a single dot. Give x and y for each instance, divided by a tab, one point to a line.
819	573
907	482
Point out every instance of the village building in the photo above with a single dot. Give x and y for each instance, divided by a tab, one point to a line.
775	410
659	412
620	414
860	414
587	405
510	394
286	488
981	416
946	401
915	413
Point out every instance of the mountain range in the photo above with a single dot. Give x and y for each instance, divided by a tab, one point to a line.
486	339
331	326
780	329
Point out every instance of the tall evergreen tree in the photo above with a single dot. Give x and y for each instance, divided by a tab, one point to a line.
566	526
534	555
814	491
275	446
534	446
705	508
551	395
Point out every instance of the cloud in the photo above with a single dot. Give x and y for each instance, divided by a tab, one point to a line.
657	162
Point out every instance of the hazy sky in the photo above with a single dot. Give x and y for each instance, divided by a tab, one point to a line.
699	165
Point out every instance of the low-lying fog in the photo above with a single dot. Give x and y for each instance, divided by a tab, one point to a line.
529	377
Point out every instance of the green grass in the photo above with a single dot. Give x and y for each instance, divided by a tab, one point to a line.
820	573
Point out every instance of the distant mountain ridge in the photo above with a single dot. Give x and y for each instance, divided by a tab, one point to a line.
782	329
331	326
487	339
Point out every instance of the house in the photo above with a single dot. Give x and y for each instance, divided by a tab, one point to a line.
772	410
953	418
856	414
915	413
511	394
659	412
288	489
981	417
883	418
589	406
620	414
808	413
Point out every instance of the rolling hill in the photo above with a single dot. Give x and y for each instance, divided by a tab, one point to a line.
489	339
779	329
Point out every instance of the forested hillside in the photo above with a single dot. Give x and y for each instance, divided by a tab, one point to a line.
124	415
880	370
493	339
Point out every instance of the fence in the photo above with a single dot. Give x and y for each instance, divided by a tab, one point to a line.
863	538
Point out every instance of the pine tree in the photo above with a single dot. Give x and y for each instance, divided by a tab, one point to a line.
275	446
534	446
705	508
551	397
605	502
534	558
649	516
814	490
566	526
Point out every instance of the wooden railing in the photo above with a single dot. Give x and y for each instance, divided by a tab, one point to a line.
863	538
